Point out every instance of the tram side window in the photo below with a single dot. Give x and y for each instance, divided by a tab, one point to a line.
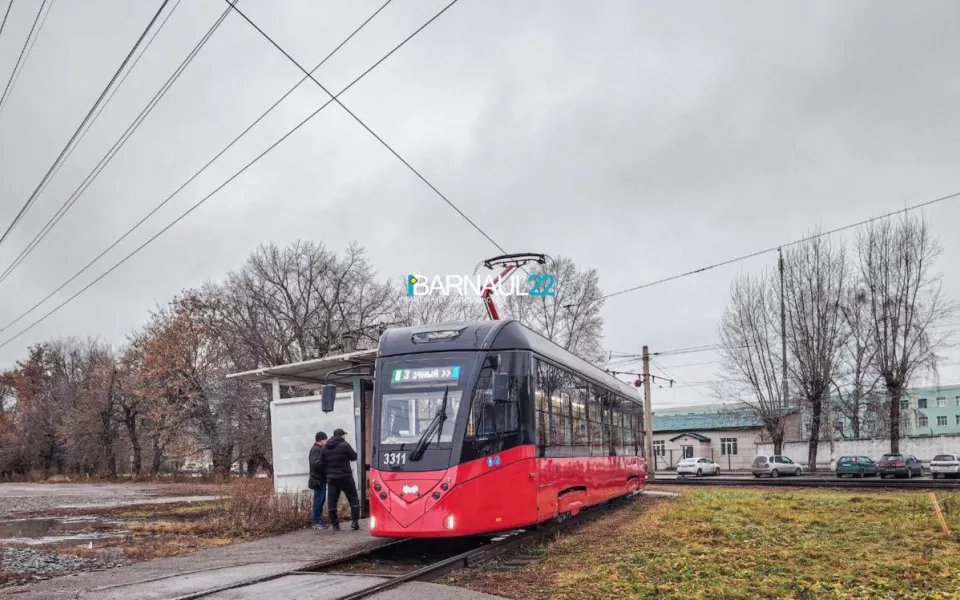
547	387
598	446
627	435
580	440
630	425
482	421
560	405
616	424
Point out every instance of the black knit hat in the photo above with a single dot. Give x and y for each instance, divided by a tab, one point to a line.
321	436
339	432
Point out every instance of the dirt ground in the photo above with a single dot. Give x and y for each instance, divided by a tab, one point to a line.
22	498
48	530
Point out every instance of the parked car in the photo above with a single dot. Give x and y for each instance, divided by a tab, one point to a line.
892	465
856	466
774	466
943	465
697	466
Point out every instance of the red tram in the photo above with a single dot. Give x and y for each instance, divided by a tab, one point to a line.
489	426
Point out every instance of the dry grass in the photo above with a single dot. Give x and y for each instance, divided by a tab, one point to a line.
249	507
749	544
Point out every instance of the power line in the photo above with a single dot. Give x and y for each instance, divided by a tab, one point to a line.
121	141
201	201
5	15
26	57
365	126
786	245
680	381
16	66
63	152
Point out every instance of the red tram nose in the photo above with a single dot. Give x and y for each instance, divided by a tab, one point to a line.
410	496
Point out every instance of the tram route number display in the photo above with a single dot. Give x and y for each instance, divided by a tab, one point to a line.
426	375
394	458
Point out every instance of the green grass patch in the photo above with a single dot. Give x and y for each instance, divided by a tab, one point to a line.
751	544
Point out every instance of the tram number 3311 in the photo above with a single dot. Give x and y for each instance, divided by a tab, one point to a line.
395	458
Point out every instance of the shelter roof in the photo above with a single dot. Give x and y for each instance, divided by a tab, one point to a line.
312	374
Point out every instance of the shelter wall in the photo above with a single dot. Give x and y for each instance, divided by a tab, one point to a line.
295	422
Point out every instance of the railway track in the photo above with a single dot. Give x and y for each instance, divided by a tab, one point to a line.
408	560
877	484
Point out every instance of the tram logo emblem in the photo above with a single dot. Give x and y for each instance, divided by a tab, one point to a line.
411	489
536	284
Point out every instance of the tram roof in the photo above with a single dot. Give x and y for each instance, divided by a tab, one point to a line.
311	374
505	334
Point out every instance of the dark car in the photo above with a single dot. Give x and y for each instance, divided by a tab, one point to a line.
856	466
893	465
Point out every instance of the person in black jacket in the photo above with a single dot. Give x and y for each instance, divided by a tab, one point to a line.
336	458
318	480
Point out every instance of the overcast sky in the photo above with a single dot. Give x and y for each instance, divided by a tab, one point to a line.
641	138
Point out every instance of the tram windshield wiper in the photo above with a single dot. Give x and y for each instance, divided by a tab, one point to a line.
436	425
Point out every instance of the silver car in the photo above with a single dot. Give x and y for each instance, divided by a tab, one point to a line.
944	465
697	466
774	466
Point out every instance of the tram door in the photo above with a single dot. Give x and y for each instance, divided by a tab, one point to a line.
367	445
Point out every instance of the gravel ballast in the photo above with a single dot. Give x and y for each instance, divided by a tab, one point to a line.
41	565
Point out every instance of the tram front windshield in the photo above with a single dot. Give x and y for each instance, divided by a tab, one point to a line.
406	416
413	397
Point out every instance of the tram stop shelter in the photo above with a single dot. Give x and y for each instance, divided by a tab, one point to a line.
295	421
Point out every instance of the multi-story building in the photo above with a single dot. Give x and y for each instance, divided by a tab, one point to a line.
931	411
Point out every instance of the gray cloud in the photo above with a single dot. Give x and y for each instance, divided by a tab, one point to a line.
643	139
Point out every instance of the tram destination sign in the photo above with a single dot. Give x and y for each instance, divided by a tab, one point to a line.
426	375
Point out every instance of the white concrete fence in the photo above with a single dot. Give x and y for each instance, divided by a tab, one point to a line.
924	448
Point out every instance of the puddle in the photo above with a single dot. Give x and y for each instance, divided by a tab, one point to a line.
64	531
148	501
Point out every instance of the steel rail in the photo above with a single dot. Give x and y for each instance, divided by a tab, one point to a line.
440	568
509	540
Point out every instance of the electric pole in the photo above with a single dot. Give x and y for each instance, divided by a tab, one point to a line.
783	336
830	425
648	418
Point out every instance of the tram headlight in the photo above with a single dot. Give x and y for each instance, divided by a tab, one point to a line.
376	487
436	495
449	523
373	522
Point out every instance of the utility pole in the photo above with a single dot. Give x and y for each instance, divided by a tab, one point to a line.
648	418
830	424
783	336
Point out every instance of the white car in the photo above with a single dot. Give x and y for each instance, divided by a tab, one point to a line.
697	466
944	465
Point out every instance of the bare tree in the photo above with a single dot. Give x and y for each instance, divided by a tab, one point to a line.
905	301
571	316
284	303
434	308
855	383
814	280
750	346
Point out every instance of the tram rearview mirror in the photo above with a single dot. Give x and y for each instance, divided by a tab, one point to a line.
501	387
329	395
